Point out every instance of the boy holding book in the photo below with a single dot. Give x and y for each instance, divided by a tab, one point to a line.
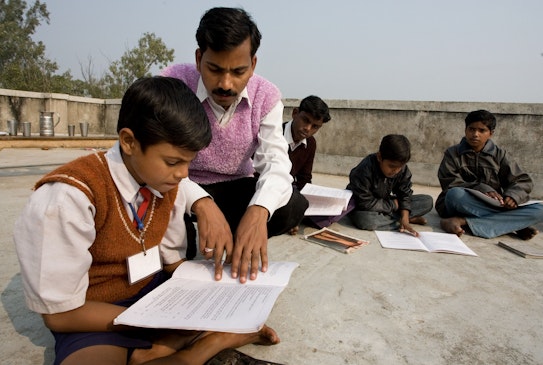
381	186
478	163
103	230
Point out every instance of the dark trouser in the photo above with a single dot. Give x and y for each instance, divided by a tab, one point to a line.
374	221
233	197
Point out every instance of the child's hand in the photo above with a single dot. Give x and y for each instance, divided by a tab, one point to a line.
405	227
496	196
510	203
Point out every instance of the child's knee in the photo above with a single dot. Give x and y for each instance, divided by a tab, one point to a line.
455	194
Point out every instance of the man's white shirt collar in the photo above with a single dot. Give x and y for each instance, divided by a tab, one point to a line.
223	116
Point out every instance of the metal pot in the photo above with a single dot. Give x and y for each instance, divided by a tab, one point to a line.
47	124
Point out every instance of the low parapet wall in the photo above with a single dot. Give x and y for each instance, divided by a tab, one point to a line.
354	132
357	127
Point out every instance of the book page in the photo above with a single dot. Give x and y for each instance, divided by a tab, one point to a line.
193	300
445	242
325	200
204	270
400	240
322	205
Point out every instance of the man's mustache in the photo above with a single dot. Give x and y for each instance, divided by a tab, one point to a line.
222	92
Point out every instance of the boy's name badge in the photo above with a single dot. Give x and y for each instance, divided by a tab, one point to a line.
142	265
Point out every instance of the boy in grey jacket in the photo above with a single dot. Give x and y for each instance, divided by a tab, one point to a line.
479	164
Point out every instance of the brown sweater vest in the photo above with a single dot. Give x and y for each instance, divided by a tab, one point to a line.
116	236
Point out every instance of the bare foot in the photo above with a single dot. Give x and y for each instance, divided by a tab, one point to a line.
207	346
418	220
527	233
167	343
453	225
293	231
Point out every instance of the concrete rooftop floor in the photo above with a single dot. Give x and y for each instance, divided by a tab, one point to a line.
373	306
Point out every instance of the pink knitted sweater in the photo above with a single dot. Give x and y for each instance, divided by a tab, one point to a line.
229	156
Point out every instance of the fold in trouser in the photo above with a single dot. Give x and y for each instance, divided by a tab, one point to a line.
487	221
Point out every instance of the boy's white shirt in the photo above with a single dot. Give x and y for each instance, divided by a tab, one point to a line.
56	229
287	133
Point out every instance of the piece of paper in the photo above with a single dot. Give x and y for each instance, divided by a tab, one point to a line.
324	200
192	299
427	241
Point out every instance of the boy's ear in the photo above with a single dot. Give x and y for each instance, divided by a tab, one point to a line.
379	157
127	141
294	112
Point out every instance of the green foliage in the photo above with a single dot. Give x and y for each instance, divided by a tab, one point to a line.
23	65
136	63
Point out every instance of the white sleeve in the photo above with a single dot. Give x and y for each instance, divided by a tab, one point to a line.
271	161
174	243
52	236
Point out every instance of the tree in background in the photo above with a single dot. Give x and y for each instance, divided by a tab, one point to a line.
136	63
23	65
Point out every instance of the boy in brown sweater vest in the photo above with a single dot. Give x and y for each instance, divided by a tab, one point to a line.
103	230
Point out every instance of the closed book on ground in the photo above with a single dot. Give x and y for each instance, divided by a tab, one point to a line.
427	241
526	249
193	300
335	240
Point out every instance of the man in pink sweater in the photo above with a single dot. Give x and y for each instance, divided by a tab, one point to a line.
246	167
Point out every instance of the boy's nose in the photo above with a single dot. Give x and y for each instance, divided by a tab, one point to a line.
181	172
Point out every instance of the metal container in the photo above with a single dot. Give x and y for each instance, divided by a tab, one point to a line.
12	127
47	123
27	129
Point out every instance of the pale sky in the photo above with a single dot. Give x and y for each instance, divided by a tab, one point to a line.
476	50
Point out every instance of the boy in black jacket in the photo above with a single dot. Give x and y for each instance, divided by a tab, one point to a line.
381	185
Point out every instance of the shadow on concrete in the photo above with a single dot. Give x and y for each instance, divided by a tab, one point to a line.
25	322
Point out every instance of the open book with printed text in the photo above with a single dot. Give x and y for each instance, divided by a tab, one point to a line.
427	241
325	201
193	300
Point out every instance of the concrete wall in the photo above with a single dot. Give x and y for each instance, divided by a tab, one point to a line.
357	127
355	130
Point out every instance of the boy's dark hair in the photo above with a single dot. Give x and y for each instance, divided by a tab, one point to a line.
223	29
163	109
483	116
316	107
395	147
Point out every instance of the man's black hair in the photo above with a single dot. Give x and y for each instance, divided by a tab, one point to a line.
223	29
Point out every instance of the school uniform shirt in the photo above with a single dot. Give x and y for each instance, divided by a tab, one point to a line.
302	155
62	248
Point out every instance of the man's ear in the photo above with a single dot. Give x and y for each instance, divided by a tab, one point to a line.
127	141
198	58
379	157
295	112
